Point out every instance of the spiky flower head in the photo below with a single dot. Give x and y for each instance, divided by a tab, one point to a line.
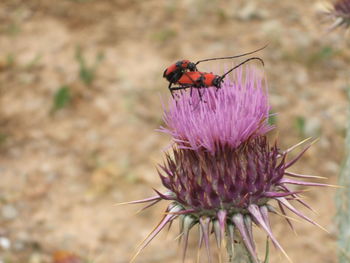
340	11
222	173
229	117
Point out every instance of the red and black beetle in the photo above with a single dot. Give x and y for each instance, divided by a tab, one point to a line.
198	79
186	75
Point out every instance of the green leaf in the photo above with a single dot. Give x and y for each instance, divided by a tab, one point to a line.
87	73
267	251
61	98
164	35
272	118
10	60
322	55
325	53
3	137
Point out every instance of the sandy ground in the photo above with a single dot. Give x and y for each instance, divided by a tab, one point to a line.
63	171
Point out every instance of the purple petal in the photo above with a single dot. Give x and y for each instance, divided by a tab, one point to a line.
196	122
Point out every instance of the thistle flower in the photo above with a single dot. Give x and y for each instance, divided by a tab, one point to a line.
229	117
340	11
222	173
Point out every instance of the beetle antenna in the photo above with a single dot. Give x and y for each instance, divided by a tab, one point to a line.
245	54
240	64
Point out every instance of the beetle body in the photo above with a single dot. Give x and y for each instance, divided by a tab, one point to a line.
197	79
174	72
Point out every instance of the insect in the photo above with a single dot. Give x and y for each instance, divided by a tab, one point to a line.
186	75
175	71
198	79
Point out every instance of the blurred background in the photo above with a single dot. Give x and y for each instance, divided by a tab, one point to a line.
80	89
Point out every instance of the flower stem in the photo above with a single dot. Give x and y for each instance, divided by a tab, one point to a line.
343	204
238	253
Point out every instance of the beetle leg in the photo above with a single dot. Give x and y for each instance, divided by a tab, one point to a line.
199	93
201	85
179	88
171	89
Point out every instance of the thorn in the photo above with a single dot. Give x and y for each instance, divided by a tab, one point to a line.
304	175
255	212
290	181
139	201
166	219
205	224
295	211
296	145
148	206
189	222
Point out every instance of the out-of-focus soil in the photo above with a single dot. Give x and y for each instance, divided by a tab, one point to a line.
63	171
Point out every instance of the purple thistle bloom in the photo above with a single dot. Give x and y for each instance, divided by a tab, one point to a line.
341	12
223	174
229	116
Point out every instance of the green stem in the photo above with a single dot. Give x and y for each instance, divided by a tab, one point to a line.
343	203
238	253
230	252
